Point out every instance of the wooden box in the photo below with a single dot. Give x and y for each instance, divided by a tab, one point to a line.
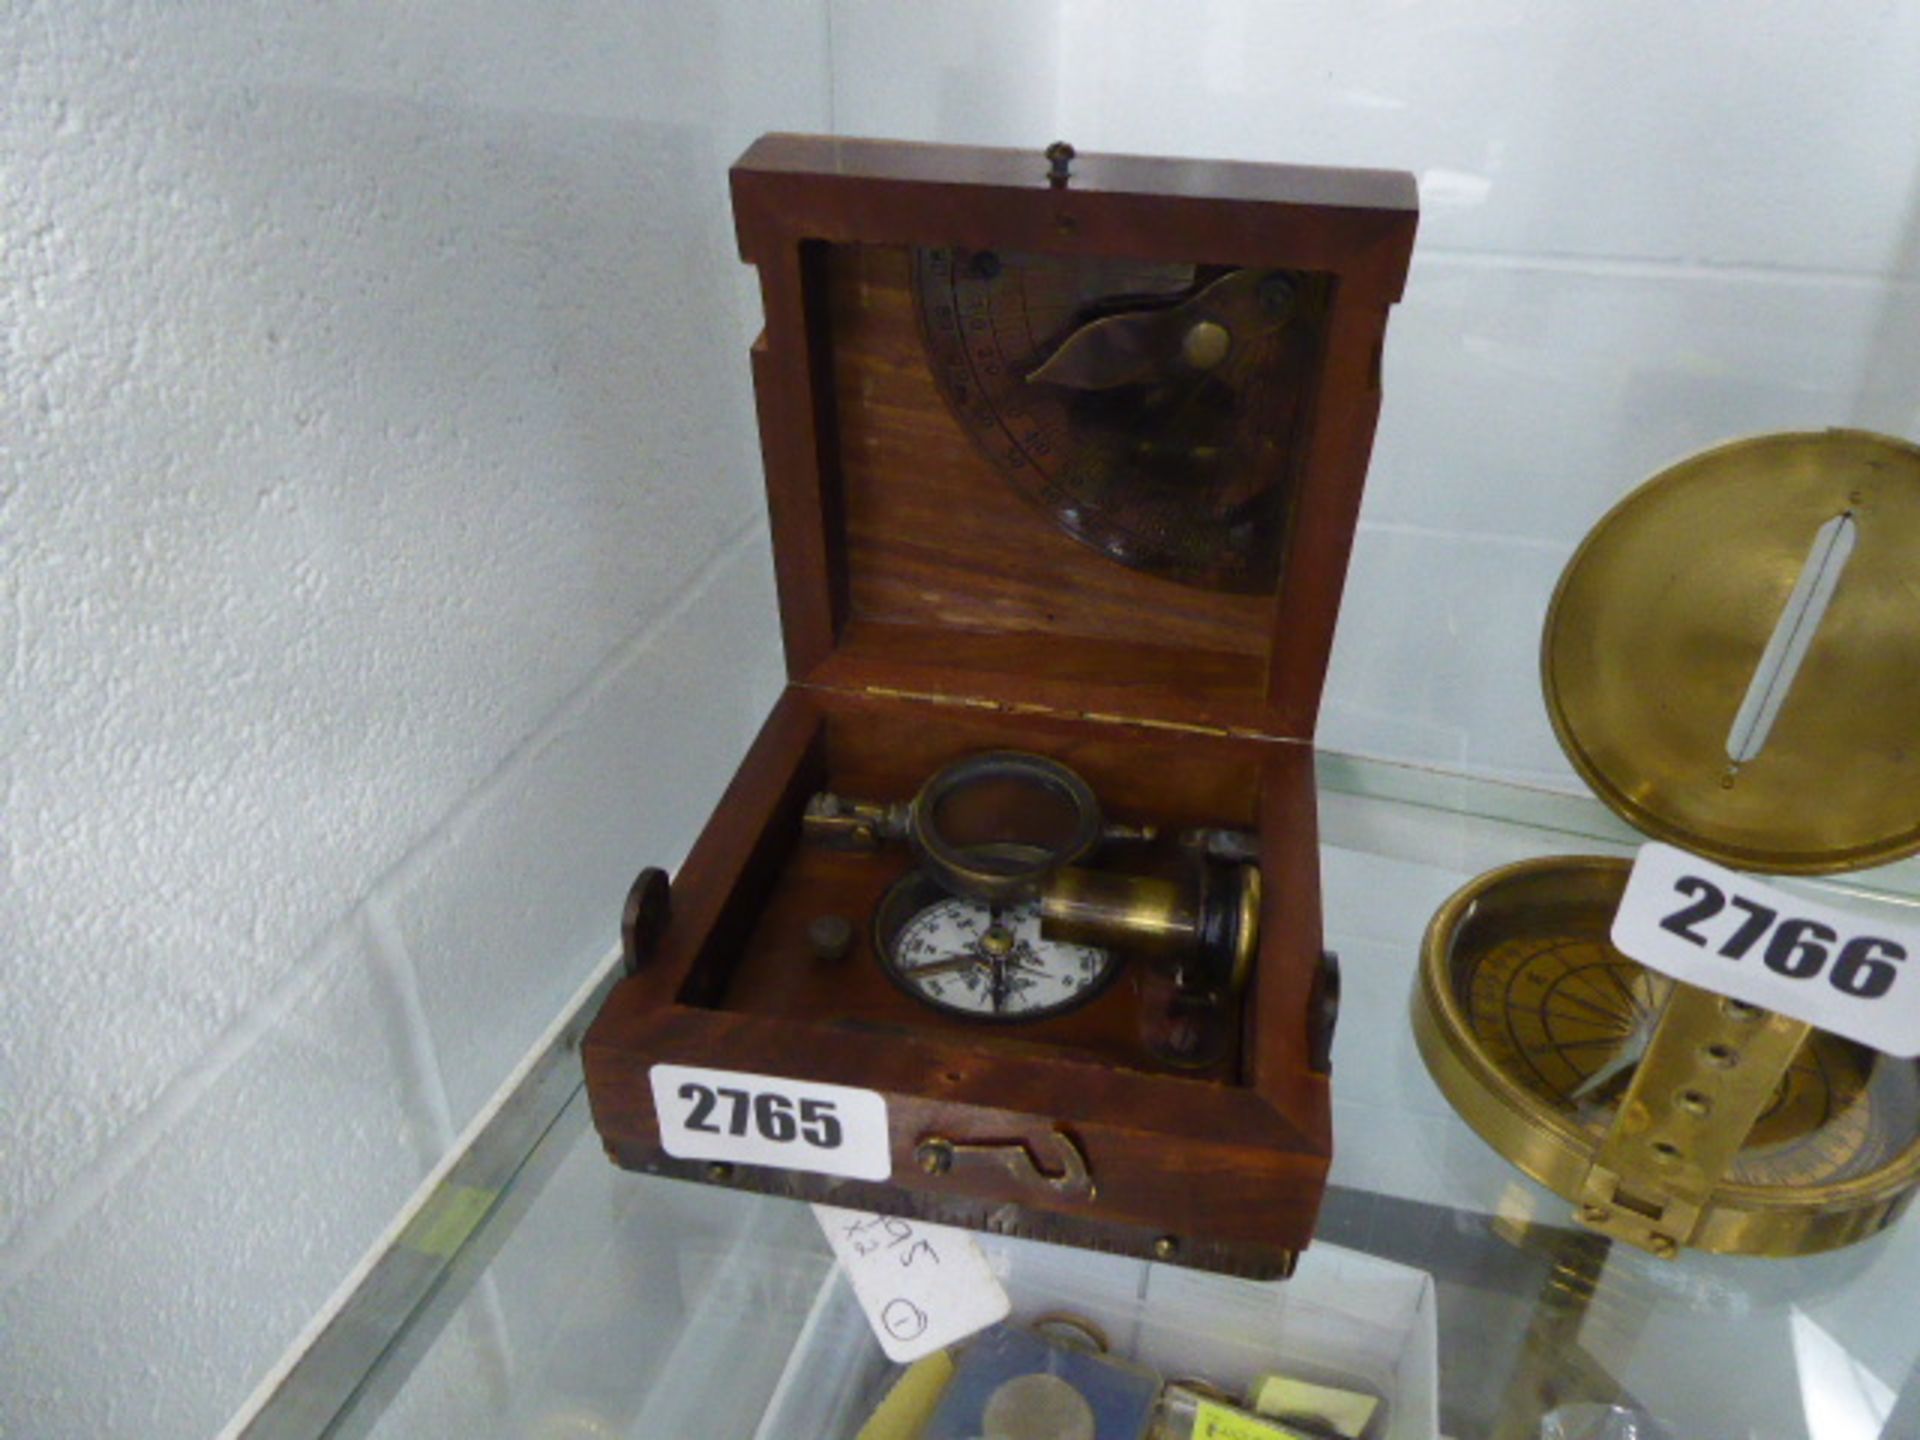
951	583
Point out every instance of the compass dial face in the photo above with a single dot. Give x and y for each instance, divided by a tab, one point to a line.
985	961
1565	1016
1151	409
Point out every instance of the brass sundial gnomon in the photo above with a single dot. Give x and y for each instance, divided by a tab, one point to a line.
1152	410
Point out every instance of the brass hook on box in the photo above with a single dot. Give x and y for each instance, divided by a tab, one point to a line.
938	1155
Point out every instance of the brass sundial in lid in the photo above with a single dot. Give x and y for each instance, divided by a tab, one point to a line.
1151	409
1732	661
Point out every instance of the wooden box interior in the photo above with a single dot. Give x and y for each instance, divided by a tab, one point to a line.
943	558
1231	1157
883	750
907	559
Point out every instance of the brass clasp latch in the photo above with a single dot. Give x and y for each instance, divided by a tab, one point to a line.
1073	1180
1711	1067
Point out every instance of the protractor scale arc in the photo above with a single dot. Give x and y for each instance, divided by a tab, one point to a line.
1150	409
1532	1024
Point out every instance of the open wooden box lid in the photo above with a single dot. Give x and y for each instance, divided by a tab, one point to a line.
1093	448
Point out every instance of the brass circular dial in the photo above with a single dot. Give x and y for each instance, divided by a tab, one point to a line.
1564	1014
1152	410
1531	1021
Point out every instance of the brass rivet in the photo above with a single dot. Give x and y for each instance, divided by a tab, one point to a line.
1666	1151
1165	1248
1724	1056
1695	1102
1740	1010
1206	345
1276	293
935	1156
719	1170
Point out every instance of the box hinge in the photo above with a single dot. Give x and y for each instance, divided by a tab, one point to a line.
1018	707
928	697
1183	727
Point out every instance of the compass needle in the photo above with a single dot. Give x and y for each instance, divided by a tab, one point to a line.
946	966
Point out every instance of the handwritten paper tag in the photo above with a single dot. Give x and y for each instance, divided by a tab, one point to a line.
922	1286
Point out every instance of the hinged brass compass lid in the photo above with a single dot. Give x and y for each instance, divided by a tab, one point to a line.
1732	657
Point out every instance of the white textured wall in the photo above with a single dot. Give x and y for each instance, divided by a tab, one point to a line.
384	583
1645	228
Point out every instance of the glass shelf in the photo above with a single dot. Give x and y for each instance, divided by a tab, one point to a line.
543	1292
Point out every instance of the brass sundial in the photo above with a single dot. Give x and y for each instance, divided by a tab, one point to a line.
1732	661
1535	1027
1151	409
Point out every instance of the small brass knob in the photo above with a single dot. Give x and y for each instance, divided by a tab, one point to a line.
1059	162
1206	344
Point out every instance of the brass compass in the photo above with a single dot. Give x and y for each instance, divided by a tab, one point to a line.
981	959
1535	1029
1004	920
1732	661
1151	409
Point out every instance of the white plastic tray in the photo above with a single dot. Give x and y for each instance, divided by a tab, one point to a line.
1343	1318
